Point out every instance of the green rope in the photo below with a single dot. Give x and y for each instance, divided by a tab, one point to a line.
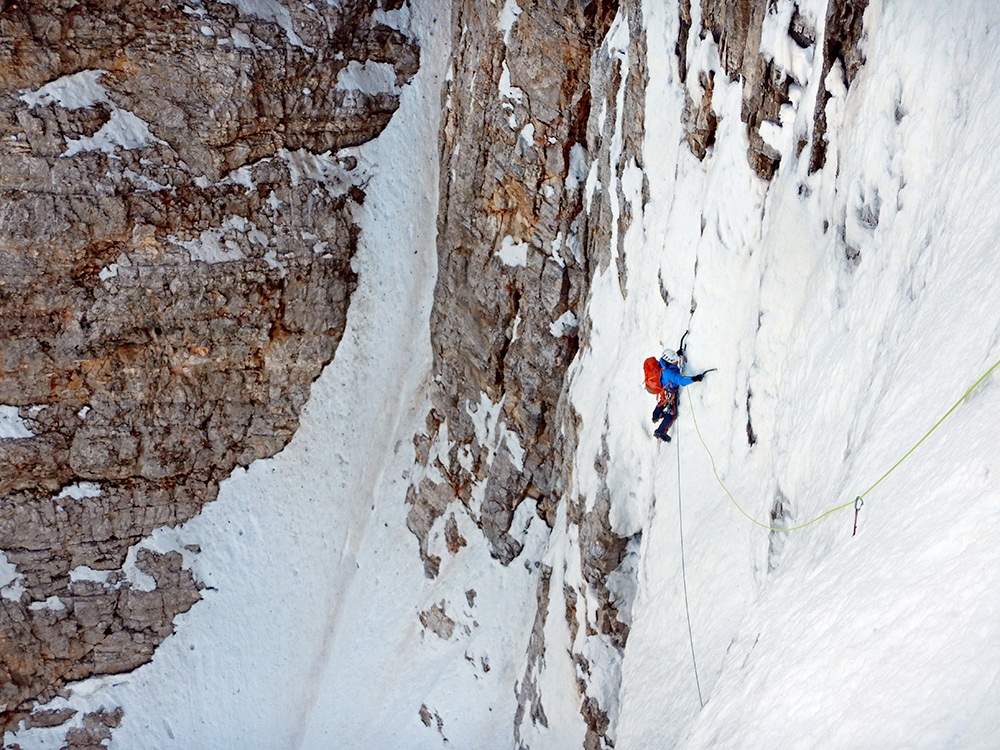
936	425
862	495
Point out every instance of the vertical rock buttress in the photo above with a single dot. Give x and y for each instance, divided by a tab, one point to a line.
532	114
513	266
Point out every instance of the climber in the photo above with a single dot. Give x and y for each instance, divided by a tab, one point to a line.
664	379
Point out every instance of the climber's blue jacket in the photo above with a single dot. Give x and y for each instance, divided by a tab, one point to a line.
671	378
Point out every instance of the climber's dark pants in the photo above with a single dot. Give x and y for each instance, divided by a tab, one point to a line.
666	413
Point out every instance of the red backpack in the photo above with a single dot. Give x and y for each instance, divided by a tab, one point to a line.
652	369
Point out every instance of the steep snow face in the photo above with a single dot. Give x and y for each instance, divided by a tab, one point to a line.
846	310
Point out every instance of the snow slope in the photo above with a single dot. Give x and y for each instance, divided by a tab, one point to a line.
814	638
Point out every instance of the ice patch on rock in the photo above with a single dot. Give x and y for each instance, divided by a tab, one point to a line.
10	580
506	90
79	491
213	246
53	603
86	573
123	130
273	11
565	323
508	15
74	91
79	90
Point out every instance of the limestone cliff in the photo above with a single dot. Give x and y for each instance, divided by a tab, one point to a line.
175	249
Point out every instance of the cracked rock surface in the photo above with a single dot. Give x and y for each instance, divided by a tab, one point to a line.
176	236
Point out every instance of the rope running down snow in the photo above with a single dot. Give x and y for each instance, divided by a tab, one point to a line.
850	503
680	524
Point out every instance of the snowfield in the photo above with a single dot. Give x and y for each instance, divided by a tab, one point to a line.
814	638
846	312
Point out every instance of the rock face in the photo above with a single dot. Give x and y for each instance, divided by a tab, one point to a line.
512	256
175	247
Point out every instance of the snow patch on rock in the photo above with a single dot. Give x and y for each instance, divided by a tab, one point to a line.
12	426
369	77
512	252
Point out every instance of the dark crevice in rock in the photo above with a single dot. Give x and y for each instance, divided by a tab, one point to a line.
598	722
601	553
801	31
841	43
781	513
764	104
529	697
664	294
751	435
700	122
683	33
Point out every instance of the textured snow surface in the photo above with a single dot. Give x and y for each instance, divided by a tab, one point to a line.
817	639
846	311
